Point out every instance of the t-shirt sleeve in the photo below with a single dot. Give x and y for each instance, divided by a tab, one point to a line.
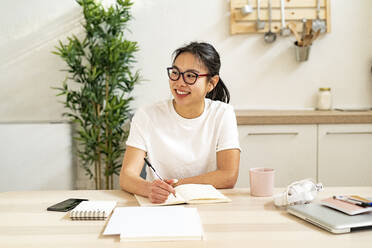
138	131
228	133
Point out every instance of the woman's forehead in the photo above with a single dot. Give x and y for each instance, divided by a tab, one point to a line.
188	61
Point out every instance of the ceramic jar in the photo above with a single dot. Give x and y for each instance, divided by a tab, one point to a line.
324	99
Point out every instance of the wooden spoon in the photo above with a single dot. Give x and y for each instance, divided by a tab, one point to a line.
309	26
292	27
307	40
315	36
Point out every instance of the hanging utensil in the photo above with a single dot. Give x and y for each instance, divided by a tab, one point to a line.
284	31
246	9
269	37
319	24
260	24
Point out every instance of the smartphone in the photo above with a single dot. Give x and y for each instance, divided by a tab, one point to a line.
66	205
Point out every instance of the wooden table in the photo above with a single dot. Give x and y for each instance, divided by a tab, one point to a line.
245	222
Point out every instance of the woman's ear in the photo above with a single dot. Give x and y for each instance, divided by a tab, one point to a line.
213	82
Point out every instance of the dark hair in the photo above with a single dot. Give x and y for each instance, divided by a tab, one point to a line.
206	54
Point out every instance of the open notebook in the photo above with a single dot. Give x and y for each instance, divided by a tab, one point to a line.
189	193
155	224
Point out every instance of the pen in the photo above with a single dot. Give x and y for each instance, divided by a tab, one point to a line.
361	200
346	199
153	169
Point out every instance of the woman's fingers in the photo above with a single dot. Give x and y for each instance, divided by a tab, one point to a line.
171	181
164	186
159	191
158	199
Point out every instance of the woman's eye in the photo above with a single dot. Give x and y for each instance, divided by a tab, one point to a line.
190	75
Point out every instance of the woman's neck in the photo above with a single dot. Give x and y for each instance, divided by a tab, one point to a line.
189	112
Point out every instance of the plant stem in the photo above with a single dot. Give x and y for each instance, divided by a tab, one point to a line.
96	173
98	150
107	133
112	181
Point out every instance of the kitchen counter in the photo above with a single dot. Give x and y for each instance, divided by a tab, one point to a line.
262	117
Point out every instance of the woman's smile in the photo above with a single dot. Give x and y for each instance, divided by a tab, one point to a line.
181	93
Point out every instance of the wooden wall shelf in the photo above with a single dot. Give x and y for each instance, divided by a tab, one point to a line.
295	11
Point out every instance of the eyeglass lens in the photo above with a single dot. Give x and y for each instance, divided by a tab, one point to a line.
188	76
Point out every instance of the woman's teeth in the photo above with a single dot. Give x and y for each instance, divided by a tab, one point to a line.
182	92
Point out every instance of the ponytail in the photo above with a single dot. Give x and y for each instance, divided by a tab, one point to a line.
219	93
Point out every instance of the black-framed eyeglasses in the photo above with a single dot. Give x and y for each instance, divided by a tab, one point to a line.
189	77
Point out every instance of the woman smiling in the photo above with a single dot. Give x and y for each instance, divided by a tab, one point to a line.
191	138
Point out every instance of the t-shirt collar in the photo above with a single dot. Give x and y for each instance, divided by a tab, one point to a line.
186	120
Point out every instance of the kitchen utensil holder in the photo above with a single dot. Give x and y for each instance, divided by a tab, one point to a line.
302	52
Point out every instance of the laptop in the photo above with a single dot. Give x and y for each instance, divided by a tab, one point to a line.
329	219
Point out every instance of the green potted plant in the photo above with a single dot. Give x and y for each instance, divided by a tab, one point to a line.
98	86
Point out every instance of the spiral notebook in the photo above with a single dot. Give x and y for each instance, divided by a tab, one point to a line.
92	210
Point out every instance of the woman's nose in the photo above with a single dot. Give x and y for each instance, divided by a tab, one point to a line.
180	81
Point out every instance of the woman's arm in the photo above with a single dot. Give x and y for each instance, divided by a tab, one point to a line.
226	174
130	180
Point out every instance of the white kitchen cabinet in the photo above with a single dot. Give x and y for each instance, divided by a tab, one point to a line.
289	149
345	154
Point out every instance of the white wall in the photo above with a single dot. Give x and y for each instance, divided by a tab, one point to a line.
258	75
36	157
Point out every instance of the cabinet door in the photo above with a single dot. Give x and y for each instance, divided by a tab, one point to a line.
345	155
289	149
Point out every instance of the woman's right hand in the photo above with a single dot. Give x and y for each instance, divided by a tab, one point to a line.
160	190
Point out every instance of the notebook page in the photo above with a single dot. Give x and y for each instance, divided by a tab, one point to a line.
172	200
200	192
161	224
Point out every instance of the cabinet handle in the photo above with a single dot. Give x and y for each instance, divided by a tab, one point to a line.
331	133
276	133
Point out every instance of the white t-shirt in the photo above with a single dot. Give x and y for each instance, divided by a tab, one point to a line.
178	147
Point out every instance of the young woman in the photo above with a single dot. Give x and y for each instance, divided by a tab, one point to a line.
192	138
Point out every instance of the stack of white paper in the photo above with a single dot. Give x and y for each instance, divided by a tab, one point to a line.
155	224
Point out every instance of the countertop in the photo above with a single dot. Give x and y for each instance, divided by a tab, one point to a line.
262	117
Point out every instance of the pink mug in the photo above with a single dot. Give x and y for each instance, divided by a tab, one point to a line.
261	181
